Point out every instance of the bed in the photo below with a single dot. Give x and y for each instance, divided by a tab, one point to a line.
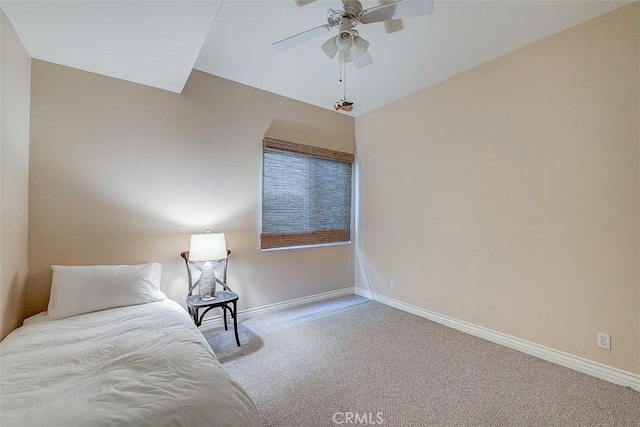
141	364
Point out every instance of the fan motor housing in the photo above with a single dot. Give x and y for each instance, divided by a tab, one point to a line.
352	8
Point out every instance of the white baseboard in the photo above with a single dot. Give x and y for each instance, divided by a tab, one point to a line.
589	367
215	321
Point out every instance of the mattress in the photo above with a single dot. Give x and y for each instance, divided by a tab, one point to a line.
139	365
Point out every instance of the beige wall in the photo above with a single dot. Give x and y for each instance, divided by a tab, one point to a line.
123	173
508	196
15	65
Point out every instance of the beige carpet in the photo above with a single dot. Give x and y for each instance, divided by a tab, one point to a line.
355	360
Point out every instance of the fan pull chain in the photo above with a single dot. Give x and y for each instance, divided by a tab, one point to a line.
343	105
343	75
344	72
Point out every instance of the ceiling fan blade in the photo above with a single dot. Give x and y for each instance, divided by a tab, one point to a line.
397	10
393	26
330	3
293	41
333	4
362	60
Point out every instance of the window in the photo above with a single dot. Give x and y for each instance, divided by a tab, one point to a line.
306	195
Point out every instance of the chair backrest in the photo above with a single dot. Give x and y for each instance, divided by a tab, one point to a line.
221	264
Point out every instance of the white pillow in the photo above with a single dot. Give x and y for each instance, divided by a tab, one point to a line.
85	289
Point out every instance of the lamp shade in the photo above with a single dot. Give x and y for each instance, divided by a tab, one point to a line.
207	247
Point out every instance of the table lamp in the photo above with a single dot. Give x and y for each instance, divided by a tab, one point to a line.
207	247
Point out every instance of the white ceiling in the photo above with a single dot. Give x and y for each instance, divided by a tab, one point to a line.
157	43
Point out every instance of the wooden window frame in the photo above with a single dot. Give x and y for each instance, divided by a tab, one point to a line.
318	238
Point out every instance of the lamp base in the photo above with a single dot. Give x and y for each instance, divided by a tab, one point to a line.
207	285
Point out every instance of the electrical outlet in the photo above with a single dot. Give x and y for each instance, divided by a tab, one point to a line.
604	341
392	284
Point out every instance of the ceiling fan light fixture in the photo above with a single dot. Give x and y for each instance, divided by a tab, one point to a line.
348	43
345	56
360	46
362	60
344	41
345	37
330	47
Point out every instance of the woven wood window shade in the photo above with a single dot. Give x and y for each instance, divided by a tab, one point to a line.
306	195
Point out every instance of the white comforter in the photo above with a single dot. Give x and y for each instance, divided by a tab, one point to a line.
140	365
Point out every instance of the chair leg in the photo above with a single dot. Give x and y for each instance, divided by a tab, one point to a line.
197	319
235	322
224	315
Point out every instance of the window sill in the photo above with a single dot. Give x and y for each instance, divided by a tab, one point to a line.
320	245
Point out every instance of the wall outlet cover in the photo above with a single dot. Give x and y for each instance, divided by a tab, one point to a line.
604	341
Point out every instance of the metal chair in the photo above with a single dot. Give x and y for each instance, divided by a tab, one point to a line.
225	299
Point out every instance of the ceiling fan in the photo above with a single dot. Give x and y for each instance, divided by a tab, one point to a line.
348	45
